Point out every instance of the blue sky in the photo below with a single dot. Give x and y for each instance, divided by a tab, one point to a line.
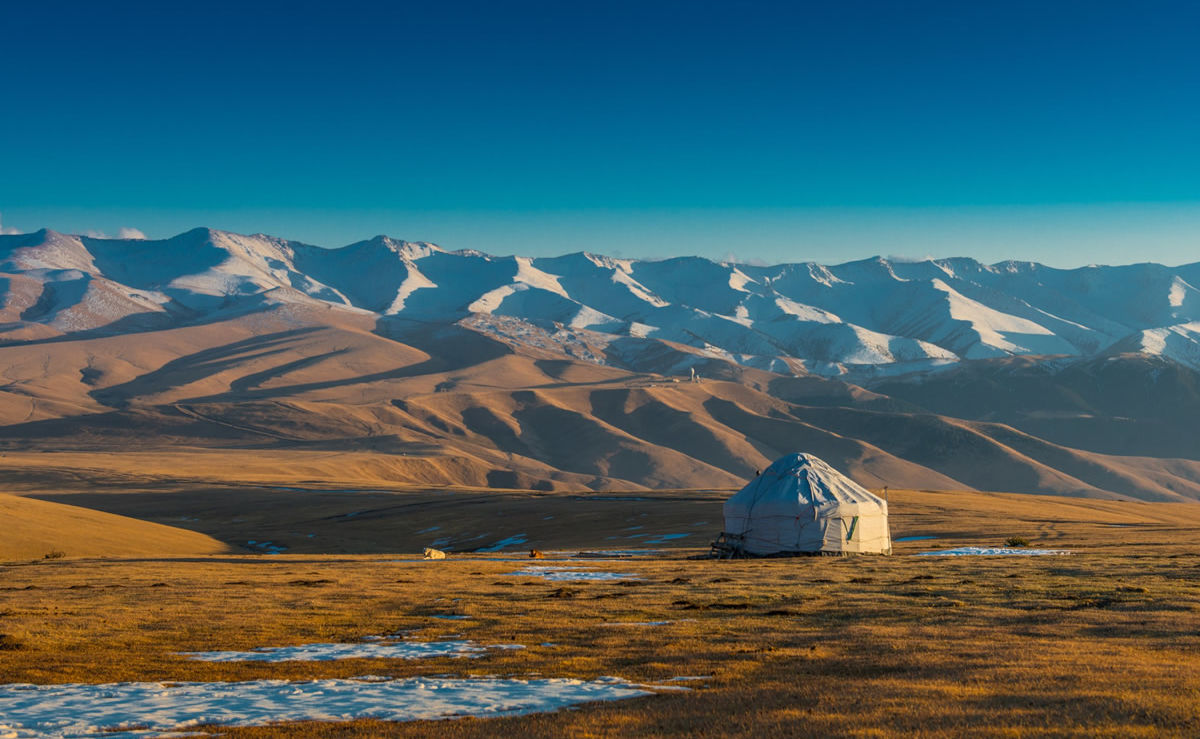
1064	132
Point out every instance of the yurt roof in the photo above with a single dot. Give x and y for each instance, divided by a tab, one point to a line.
816	482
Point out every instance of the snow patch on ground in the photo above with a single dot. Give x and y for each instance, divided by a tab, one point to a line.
664	538
150	709
992	552
511	541
371	649
569	574
645	623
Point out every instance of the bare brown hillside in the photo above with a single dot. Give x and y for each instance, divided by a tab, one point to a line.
37	529
305	392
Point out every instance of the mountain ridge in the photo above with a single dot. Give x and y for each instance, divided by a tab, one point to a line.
858	318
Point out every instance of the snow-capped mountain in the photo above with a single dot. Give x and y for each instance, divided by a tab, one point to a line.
874	316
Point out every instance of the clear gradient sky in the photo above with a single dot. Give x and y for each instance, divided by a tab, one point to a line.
1058	131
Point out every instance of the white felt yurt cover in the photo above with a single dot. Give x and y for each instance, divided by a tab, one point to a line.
800	504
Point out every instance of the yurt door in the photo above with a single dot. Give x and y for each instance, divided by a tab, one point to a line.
850	526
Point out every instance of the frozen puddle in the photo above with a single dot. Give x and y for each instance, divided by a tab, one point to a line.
150	709
367	650
645	623
665	538
511	541
567	573
615	553
265	547
914	538
992	552
637	623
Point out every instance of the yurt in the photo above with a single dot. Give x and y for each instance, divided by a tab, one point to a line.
800	505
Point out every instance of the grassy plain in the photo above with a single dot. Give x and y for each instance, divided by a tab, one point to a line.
1103	642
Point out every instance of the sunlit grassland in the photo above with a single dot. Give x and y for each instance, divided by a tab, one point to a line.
1099	642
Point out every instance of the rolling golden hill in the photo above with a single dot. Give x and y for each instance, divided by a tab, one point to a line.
36	529
305	392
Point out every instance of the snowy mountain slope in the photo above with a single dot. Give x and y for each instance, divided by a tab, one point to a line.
1180	343
868	317
377	274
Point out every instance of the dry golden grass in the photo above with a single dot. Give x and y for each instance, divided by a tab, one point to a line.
38	528
1103	642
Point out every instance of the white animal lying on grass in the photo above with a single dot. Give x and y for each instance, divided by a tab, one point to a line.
431	553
